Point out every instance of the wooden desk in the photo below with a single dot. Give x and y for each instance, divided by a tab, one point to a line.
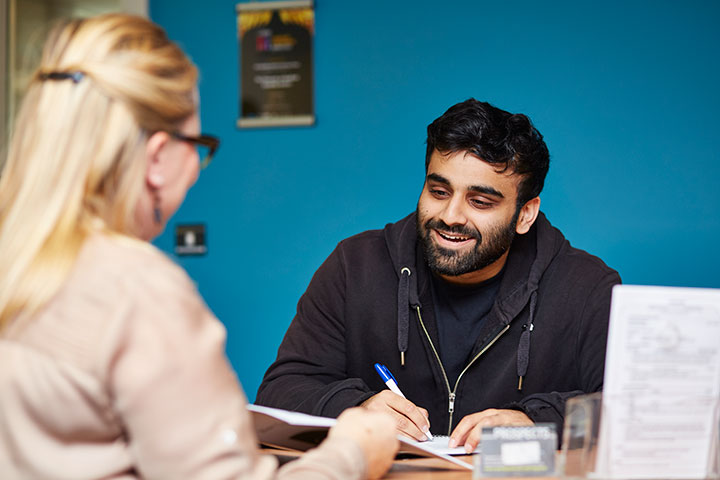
437	469
428	469
413	468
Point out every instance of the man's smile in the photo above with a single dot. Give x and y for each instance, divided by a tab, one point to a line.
451	240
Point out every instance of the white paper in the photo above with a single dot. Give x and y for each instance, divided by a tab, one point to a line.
440	444
432	448
662	383
293	418
520	453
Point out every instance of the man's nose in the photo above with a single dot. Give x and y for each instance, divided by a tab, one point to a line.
454	212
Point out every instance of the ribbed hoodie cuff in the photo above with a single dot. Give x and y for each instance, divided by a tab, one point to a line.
537	411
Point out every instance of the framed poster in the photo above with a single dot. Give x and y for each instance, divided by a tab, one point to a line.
276	63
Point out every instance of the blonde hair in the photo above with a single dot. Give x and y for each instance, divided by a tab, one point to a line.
75	162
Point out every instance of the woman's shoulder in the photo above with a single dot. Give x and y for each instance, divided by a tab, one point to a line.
115	285
127	282
118	287
128	265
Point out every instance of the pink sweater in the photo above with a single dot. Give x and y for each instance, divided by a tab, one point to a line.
123	376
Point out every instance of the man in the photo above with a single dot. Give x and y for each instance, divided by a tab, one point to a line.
480	308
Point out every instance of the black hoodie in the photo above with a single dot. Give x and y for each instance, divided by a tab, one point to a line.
372	299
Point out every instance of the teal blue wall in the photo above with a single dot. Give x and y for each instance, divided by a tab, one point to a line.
627	94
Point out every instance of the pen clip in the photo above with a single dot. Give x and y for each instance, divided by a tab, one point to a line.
382	371
389	374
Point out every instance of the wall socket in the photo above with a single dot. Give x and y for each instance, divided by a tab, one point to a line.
190	239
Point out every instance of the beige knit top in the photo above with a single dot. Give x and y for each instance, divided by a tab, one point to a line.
123	375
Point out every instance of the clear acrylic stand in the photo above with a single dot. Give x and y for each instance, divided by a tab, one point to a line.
581	436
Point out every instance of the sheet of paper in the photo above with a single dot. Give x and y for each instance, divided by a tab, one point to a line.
293	418
426	448
662	383
439	444
284	429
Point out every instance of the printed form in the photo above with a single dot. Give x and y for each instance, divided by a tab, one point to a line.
662	384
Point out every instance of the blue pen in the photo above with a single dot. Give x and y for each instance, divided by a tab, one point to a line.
391	383
388	378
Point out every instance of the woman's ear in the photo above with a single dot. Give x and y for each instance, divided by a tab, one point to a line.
155	170
527	216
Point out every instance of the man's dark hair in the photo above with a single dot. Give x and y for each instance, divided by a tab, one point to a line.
500	138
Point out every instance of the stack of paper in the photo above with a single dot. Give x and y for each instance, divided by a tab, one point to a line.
299	431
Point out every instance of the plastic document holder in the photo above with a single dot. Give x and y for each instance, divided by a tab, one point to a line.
586	440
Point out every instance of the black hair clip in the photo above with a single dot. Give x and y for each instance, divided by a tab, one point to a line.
74	76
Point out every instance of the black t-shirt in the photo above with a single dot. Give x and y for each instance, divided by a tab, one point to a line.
460	311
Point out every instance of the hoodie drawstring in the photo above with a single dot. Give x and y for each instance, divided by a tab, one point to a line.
403	315
523	356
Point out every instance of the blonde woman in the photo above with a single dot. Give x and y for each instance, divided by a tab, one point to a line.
111	365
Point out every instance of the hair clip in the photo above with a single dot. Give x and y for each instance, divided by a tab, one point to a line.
74	76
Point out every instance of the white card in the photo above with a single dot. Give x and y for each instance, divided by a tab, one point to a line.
662	383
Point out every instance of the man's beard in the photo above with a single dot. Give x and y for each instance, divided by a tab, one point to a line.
488	248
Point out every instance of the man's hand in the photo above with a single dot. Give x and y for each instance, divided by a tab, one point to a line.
469	429
411	420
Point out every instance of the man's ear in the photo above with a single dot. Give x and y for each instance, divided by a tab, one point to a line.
155	167
527	216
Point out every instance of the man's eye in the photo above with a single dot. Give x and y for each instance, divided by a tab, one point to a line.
438	193
479	203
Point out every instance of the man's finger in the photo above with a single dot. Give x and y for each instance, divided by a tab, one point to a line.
459	435
409	418
473	439
413	413
408	428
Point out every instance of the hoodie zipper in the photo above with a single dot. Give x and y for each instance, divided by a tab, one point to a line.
451	393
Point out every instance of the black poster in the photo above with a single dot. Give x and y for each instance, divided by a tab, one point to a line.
276	68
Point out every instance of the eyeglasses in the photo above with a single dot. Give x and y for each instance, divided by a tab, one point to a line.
206	145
